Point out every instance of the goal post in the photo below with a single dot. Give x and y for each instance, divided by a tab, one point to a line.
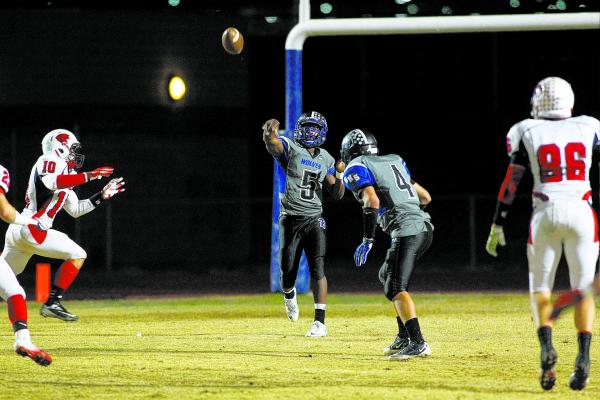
388	26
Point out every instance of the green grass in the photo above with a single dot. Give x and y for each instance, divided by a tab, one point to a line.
484	347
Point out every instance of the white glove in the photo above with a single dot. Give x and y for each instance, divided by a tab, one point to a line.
113	187
496	238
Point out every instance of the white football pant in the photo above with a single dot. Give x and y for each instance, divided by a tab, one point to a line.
9	285
19	246
566	224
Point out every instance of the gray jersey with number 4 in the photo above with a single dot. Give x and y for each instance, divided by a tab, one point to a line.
305	174
399	212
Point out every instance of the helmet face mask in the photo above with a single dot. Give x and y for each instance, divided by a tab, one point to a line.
358	142
552	98
310	130
75	158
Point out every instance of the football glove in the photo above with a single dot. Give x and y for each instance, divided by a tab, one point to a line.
496	238
99	173
113	187
361	252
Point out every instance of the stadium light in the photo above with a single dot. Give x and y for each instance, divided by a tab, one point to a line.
326	8
177	88
174	3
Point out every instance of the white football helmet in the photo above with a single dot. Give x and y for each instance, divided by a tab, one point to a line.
552	98
64	144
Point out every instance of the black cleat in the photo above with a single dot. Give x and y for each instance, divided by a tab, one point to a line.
397	346
548	373
411	351
580	377
56	310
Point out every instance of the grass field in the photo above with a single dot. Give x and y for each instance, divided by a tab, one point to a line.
243	347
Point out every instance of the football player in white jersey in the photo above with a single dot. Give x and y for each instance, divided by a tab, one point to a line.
10	289
50	189
557	148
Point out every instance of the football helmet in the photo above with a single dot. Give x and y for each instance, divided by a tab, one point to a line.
552	98
356	143
64	144
310	130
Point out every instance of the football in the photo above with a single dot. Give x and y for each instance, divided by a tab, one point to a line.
233	41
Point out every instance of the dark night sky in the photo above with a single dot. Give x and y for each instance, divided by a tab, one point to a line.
199	170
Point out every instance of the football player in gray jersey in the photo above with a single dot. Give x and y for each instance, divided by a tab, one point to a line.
390	198
301	226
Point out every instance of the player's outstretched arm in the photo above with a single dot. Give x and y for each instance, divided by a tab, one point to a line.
271	137
64	181
506	196
334	183
9	215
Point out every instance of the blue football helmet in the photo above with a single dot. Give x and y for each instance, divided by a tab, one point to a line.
310	130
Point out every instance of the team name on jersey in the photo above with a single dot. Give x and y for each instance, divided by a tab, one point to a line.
310	163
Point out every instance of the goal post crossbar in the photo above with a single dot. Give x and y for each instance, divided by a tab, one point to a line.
387	26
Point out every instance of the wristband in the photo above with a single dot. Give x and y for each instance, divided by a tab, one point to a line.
370	222
23	220
501	213
339	175
96	199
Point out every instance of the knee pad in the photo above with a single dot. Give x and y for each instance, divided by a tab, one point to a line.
318	272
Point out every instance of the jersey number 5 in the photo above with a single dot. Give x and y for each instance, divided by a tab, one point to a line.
310	182
549	159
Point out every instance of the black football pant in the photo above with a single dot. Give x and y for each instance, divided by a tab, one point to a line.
297	233
400	261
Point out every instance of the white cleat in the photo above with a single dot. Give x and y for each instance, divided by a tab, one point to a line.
291	308
317	329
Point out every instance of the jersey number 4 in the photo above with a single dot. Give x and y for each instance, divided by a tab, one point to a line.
401	182
549	159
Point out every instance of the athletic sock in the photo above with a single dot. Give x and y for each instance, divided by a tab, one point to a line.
65	275
17	312
545	337
584	340
320	312
290	295
56	295
414	330
402	332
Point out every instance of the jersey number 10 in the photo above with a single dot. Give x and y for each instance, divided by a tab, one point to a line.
549	159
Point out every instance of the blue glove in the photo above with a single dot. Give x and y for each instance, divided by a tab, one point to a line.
360	255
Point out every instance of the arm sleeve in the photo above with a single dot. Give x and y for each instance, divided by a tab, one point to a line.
285	156
358	177
75	207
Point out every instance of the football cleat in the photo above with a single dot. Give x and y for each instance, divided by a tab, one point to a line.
25	348
580	377
548	373
397	346
56	310
291	307
411	351
317	329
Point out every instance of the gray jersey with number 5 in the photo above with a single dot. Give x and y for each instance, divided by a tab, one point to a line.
305	174
399	212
